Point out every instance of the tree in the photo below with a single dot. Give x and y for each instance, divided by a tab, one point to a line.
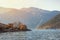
22	27
10	25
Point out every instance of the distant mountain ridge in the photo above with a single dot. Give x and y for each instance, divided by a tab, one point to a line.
32	16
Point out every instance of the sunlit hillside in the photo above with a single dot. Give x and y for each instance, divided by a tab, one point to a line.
32	16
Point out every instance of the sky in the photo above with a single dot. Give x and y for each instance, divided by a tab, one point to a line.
42	4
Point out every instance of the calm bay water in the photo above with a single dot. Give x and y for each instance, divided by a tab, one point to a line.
32	35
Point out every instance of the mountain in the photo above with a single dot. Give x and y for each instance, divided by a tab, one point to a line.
32	16
54	23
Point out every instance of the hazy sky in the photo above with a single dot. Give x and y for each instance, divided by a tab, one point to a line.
43	4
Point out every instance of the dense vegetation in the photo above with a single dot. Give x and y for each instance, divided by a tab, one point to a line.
12	27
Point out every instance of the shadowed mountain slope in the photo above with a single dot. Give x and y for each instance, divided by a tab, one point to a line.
54	23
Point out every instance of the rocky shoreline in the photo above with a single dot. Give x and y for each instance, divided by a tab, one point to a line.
11	27
14	30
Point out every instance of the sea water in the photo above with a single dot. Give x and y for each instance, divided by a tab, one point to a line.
31	35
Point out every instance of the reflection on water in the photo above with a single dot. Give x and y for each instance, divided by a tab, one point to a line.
32	35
